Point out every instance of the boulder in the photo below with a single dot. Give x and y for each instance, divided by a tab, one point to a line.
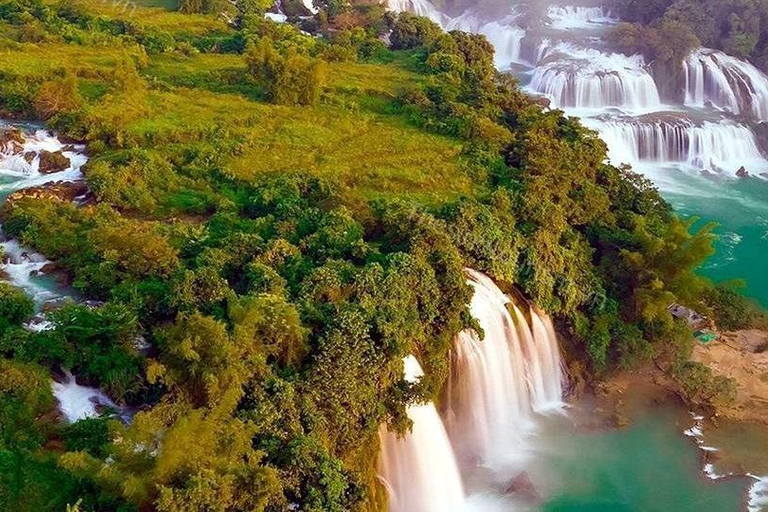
742	172
11	136
62	191
522	487
53	162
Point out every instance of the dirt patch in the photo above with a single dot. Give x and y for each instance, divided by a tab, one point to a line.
740	355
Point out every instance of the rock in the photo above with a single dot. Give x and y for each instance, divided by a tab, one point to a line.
542	101
53	162
63	191
29	157
11	136
742	172
522	487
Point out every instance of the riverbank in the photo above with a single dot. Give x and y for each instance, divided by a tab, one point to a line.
731	441
743	356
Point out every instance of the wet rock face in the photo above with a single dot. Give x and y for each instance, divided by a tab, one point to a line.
522	487
53	162
761	136
62	191
742	172
11	140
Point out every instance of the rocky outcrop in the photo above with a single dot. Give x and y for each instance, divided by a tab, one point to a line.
53	162
11	140
62	191
742	173
522	487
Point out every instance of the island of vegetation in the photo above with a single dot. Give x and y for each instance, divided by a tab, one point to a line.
283	212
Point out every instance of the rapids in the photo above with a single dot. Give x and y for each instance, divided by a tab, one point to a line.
23	268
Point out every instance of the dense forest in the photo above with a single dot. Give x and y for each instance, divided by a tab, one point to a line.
668	30
283	217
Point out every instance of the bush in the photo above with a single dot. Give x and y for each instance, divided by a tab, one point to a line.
733	311
289	79
411	31
15	307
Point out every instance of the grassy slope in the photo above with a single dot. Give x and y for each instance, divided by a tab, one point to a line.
352	137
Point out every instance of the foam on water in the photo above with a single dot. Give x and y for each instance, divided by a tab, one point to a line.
78	402
570	17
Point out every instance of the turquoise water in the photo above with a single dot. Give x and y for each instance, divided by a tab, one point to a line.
740	208
648	467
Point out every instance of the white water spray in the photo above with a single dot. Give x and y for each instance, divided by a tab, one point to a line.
497	382
419	469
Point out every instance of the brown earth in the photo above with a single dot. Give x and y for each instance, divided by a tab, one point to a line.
742	355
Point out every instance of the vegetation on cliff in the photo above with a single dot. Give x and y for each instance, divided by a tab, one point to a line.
668	30
283	218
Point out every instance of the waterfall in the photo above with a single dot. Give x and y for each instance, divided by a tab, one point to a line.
725	82
498	381
20	167
505	36
576	17
586	78
419	8
420	470
718	147
78	402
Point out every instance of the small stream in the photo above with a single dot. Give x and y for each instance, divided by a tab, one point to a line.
20	168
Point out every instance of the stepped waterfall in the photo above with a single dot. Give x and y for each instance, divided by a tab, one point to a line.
695	133
498	380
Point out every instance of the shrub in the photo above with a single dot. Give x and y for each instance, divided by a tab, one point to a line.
289	79
411	31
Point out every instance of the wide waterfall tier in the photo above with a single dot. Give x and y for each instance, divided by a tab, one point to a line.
571	17
721	147
420	469
575	77
499	379
715	79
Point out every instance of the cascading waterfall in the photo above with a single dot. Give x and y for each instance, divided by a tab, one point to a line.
505	36
721	147
725	82
576	77
20	159
418	7
420	469
20	165
498	381
79	402
570	17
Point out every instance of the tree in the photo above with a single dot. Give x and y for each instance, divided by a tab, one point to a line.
411	31
289	79
15	307
58	97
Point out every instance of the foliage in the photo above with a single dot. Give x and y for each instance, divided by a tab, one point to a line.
15	307
411	31
283	227
290	79
673	27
